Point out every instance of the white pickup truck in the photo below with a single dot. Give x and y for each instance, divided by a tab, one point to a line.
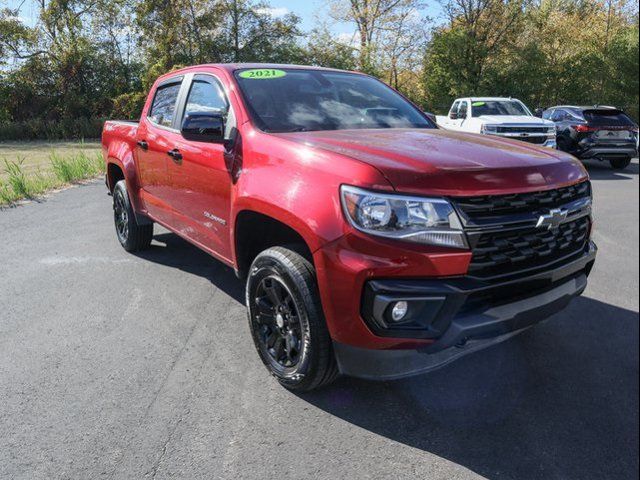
503	117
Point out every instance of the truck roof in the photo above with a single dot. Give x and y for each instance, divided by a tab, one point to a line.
231	67
488	99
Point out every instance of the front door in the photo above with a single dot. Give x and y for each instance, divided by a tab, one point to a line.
200	178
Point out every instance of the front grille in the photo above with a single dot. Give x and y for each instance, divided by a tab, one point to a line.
515	129
534	140
504	252
534	203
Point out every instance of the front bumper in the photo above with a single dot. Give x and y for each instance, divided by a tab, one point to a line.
471	317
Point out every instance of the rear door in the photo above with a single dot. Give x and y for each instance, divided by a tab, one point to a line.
200	180
156	135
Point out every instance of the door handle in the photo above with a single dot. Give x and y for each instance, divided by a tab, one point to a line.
175	155
143	145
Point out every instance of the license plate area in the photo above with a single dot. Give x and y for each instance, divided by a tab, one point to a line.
613	134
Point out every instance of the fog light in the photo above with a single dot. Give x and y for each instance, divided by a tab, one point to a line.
399	310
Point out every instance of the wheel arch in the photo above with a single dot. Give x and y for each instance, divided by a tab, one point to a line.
255	231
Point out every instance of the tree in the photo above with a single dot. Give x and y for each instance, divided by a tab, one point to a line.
371	17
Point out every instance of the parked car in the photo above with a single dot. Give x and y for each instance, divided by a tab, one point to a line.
596	132
501	117
373	244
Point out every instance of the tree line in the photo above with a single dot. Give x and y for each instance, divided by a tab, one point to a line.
81	61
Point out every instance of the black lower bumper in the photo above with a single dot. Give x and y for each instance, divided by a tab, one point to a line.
470	316
607	152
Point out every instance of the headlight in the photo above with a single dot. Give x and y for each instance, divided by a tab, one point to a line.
551	131
430	221
489	129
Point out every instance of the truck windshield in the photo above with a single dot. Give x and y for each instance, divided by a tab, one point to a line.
294	100
498	107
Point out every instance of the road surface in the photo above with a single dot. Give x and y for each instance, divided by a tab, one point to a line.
115	365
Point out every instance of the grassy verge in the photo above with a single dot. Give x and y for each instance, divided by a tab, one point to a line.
17	183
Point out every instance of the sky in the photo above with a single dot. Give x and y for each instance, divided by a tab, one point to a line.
308	11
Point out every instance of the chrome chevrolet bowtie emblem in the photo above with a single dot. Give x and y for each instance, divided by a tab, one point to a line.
553	219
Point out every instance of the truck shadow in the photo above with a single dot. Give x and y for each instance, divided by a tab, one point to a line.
559	401
178	253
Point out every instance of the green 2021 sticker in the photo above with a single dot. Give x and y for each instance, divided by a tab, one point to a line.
263	74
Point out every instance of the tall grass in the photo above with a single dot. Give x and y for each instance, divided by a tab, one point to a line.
76	167
20	184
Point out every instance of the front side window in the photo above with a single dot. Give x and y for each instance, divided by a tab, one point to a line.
164	104
292	100
498	107
205	97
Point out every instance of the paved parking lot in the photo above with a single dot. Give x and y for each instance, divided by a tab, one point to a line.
121	366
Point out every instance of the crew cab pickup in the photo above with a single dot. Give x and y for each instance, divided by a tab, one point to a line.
503	117
372	243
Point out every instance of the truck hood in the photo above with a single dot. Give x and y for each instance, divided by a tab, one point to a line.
514	120
442	162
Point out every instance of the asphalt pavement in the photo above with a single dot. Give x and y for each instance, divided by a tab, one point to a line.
115	365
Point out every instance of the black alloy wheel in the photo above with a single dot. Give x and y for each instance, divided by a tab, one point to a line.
286	320
280	329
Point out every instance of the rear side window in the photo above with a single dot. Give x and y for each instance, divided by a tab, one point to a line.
608	118
462	110
164	104
454	107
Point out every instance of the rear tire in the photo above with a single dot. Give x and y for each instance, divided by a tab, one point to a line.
286	320
620	163
132	237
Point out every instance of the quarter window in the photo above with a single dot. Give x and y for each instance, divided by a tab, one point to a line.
164	104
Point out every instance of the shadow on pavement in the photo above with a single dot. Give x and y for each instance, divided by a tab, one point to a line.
603	171
559	401
180	254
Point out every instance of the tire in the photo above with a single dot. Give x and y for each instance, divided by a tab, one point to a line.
286	320
563	144
620	163
132	237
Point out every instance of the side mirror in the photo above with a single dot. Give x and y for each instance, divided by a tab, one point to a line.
453	115
538	112
203	127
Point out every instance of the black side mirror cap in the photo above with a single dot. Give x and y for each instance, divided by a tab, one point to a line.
453	116
203	127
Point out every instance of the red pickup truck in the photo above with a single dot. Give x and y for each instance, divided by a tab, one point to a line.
373	243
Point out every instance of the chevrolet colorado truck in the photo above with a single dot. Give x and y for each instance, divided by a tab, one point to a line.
373	243
502	117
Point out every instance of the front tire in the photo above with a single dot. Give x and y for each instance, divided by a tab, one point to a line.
286	320
620	163
132	237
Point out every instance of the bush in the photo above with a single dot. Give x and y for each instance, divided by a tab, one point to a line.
40	129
